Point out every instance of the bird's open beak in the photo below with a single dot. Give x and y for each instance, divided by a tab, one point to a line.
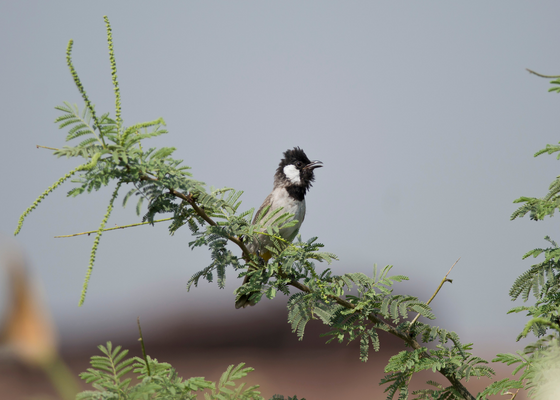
313	164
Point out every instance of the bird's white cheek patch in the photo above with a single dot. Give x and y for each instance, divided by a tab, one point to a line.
292	173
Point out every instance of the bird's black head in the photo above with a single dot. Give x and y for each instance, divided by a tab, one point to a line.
295	172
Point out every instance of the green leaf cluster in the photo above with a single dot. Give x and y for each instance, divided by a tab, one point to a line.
538	364
291	262
454	359
543	281
539	208
159	381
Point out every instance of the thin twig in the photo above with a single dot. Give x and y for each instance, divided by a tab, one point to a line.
45	147
543	76
115	227
513	395
141	340
437	291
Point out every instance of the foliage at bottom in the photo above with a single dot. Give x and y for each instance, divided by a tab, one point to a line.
159	380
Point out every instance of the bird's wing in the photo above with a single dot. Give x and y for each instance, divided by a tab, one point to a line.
266	202
292	236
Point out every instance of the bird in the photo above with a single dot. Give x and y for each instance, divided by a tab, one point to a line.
292	180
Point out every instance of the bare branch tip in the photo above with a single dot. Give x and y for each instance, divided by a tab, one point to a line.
543	76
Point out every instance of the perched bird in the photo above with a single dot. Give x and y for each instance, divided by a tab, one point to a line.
291	181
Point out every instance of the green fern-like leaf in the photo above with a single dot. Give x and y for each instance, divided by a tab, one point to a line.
226	388
107	371
299	313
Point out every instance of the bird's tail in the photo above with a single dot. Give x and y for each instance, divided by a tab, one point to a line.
243	300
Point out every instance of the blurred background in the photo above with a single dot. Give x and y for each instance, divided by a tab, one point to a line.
422	113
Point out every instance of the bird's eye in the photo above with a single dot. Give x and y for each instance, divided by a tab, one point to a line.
299	164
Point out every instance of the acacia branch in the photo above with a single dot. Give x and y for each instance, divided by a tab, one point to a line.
447	373
372	318
201	213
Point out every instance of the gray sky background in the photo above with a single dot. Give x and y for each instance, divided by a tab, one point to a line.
422	112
